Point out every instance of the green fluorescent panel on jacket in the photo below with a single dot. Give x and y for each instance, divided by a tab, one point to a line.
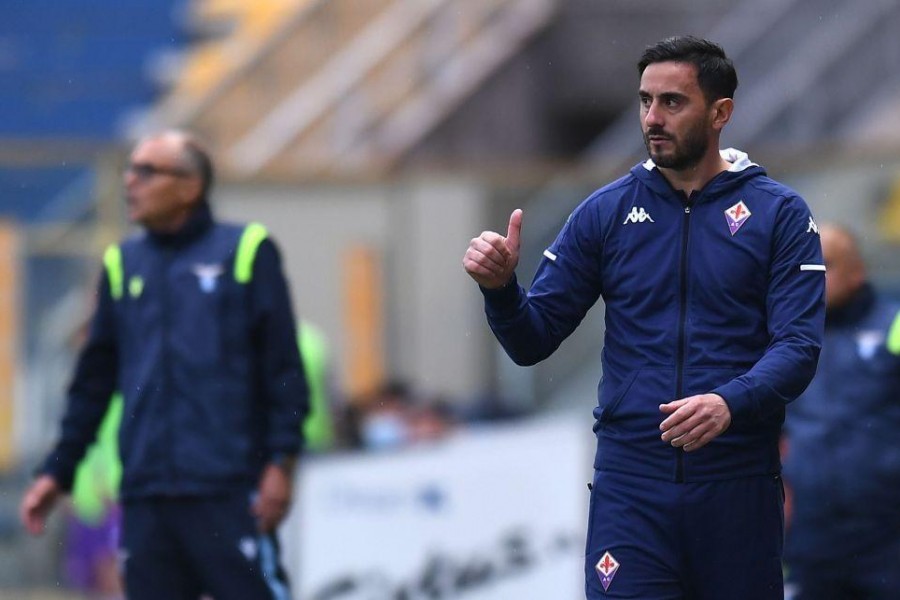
318	429
97	479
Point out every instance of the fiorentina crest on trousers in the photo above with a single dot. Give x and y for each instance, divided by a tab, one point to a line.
606	569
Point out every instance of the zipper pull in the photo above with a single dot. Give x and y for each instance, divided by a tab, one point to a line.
687	210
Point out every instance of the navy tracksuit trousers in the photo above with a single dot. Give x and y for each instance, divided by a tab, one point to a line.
658	540
178	548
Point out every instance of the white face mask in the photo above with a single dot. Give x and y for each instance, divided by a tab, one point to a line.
384	431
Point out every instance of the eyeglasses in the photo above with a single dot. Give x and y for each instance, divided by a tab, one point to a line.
146	171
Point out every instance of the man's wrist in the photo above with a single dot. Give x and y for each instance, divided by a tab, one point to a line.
504	295
284	461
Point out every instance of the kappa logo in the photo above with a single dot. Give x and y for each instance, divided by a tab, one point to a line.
606	568
736	216
207	276
637	215
812	227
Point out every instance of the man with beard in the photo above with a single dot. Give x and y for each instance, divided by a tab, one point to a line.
713	281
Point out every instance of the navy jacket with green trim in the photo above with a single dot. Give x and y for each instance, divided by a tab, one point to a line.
720	292
843	458
200	340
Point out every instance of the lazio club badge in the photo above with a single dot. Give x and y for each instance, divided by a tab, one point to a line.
607	567
207	276
736	216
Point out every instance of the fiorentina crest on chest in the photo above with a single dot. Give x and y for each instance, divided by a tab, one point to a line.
736	216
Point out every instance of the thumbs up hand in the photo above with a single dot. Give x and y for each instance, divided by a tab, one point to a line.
491	259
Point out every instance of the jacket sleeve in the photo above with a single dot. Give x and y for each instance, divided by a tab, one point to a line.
795	308
531	326
90	391
285	390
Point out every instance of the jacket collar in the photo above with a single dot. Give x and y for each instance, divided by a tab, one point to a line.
741	170
739	160
856	308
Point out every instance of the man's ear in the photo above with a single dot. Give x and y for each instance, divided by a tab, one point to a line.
190	189
722	110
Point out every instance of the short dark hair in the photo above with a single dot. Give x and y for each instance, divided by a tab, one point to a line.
199	161
715	71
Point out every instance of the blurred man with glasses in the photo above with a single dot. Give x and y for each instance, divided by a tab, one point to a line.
194	326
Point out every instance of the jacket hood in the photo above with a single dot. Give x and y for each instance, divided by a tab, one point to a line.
742	169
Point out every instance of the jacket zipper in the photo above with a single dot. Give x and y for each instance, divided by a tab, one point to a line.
682	318
165	357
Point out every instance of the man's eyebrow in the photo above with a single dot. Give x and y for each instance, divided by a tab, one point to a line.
663	95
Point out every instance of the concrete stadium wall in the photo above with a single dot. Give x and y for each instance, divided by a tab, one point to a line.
434	333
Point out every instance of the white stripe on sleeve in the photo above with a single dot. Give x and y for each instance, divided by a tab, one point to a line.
550	255
812	268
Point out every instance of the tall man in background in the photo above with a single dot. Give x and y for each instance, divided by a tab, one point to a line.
712	277
194	326
842	459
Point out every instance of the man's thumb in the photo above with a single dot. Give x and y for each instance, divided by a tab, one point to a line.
514	230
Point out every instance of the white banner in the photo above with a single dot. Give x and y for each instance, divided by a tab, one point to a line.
491	513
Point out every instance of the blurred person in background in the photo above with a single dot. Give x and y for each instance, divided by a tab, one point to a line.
431	419
94	520
713	282
194	327
842	456
378	421
393	417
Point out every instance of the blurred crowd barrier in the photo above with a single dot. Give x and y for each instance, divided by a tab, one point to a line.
490	512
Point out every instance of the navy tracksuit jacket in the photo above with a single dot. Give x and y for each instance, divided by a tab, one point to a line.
721	292
195	329
690	308
843	459
208	365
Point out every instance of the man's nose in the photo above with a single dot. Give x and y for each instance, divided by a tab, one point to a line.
653	116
